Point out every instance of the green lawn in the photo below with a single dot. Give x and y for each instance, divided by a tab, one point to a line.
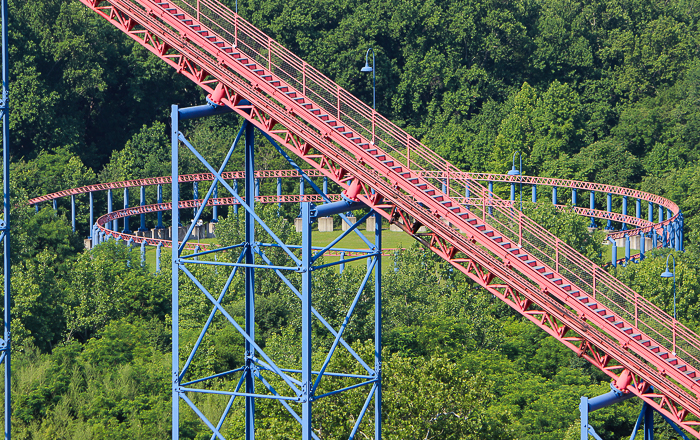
390	240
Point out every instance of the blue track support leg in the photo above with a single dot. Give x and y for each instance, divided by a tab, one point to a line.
110	201
624	212
92	210
627	248
158	250
72	211
55	205
279	194
160	213
142	201
306	365
301	191
325	185
378	327
195	196
341	266
249	280
554	195
490	196
175	312
143	253
583	408
592	207
126	206
5	105
613	257
215	208
638	208
649	423
235	189
650	212
574	196
512	192
609	225
642	246
534	193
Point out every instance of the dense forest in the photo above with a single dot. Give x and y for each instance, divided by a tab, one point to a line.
604	91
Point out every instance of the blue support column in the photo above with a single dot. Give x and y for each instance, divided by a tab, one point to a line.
250	188
642	246
534	193
341	266
215	208
574	196
592	207
5	347
627	248
158	250
301	191
613	258
306	371
195	196
72	211
143	253
175	312
160	213
624	212
609	225
257	187
512	191
325	185
490	196
650	215
638	208
110	200
142	201
55	204
279	194
649	423
92	211
126	206
554	195
378	327
235	189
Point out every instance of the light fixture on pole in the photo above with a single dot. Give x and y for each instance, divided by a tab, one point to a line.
518	172
371	68
667	274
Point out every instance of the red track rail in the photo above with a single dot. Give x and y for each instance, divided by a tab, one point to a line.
547	281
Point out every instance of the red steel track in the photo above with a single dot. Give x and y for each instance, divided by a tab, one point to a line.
548	282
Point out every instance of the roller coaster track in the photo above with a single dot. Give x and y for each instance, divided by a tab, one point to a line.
640	347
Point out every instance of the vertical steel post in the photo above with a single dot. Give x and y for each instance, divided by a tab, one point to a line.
195	196
126	206
301	191
6	215
642	246
92	211
215	208
534	193
574	196
72	211
627	248
158	250
55	204
175	312
306	365
624	212
490	197
341	266
592	205
325	184
110	200
142	200
512	191
378	326
638	208
609	225
249	280
554	195
143	253
613	257
279	194
257	187
649	423
583	408
236	206
160	213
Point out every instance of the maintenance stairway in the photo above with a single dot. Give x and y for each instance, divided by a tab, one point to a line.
644	350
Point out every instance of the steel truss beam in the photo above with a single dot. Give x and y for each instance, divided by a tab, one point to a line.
260	377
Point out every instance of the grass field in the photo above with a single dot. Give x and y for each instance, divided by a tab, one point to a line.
390	240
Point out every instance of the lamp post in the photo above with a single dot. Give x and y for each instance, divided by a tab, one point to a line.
667	274
369	68
518	172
